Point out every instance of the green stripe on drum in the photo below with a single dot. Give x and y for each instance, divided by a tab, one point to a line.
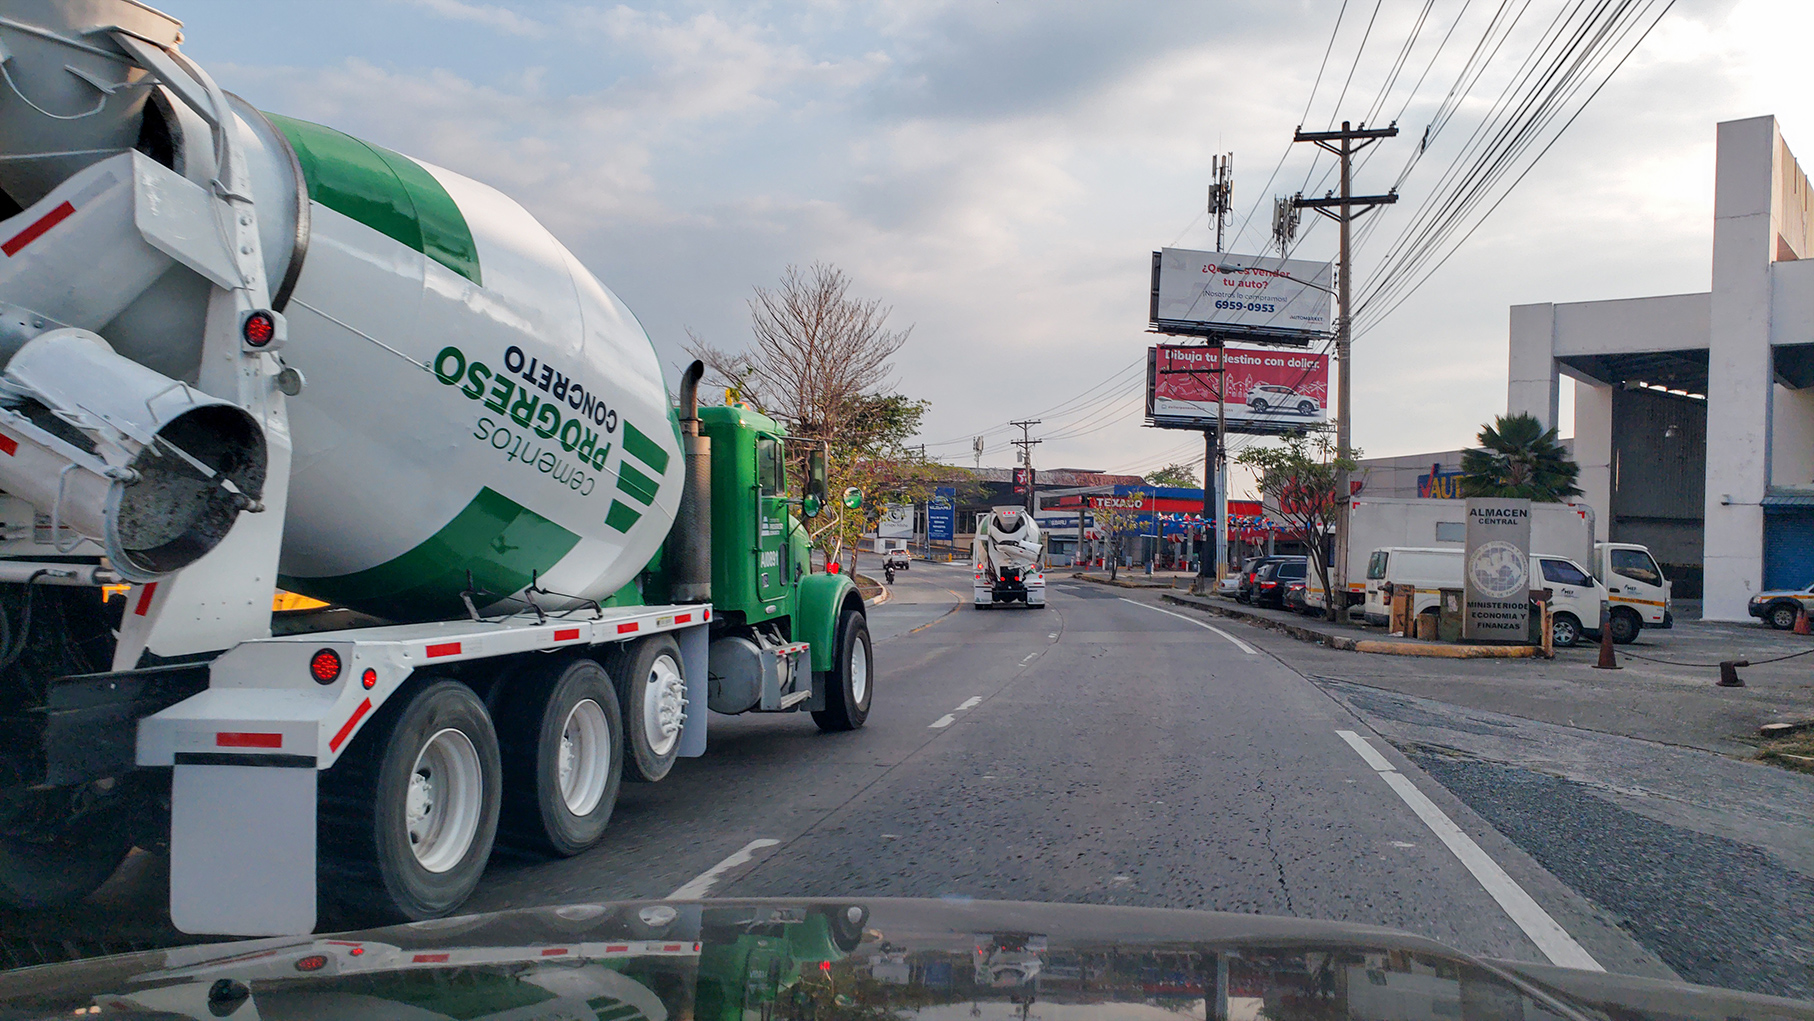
622	516
386	191
499	541
638	485
645	449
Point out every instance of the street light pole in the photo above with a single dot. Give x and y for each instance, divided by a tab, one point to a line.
1347	207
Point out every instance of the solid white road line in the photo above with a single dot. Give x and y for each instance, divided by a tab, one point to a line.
1550	937
1244	647
971	703
942	722
696	888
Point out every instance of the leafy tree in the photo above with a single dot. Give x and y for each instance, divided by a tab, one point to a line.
1298	478
1116	524
1183	476
1519	459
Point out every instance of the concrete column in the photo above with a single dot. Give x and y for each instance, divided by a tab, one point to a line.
1593	452
1533	386
1740	372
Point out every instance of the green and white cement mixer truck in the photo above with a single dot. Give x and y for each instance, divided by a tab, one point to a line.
241	352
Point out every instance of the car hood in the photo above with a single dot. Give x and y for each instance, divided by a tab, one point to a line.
853	960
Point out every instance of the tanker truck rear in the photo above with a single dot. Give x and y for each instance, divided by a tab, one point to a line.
1009	552
239	351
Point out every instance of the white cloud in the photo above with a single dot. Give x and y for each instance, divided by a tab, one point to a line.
489	15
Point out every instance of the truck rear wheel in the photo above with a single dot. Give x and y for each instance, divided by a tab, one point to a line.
409	814
1625	625
849	686
562	745
654	701
64	858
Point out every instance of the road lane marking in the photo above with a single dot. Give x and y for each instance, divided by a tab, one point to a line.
971	703
942	722
1029	658
1544	931
697	887
1244	647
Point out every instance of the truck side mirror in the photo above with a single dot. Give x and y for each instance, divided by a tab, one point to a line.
815	478
810	506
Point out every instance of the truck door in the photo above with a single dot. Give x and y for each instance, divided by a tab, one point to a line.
1633	579
1572	590
771	520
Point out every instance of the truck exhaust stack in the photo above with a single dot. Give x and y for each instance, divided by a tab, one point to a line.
151	469
690	540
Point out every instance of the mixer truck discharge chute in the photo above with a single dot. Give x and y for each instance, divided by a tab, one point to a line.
239	351
1009	554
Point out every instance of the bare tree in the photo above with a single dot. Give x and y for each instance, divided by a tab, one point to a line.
818	352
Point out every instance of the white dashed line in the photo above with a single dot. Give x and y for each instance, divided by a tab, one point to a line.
971	703
697	887
1029	658
1550	937
942	722
1243	646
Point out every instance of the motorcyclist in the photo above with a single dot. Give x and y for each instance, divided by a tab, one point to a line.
888	573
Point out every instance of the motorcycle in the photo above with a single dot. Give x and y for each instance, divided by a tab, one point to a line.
888	573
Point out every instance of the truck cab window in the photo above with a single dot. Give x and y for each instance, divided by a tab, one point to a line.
1561	572
1636	565
1376	565
769	475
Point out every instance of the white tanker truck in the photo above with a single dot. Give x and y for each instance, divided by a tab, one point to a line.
238	352
1009	551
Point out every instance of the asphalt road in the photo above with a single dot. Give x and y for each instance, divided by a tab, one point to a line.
1103	750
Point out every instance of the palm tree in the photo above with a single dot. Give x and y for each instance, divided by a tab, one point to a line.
1521	460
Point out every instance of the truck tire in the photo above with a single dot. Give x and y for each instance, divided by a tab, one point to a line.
850	684
1565	630
60	862
1782	616
1625	625
561	737
652	695
409	814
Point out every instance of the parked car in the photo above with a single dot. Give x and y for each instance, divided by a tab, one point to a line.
1249	569
1272	397
1779	607
897	559
1230	585
1270	583
1294	597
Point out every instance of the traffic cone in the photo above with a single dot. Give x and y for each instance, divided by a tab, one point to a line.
1607	660
1801	622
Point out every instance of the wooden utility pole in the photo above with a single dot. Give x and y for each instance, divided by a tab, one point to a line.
1026	444
1343	209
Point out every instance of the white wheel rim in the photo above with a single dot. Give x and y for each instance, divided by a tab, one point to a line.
445	798
585	757
859	672
664	706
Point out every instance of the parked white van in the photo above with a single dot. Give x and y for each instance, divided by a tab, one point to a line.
1640	594
1574	593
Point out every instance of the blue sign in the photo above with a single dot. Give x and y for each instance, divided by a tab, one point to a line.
941	514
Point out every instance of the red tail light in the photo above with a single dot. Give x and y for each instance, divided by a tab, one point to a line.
324	666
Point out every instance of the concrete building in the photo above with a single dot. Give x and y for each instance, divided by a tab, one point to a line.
1694	413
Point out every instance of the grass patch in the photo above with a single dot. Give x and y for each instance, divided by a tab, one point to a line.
1796	751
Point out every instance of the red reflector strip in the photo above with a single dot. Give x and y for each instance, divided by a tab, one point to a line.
683	618
8	445
671	947
566	634
244	740
444	649
347	727
429	959
617	948
554	951
36	230
624	629
144	605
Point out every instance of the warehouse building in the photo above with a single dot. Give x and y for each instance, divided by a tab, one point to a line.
1694	413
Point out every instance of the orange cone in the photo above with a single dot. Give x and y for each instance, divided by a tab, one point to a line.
1801	622
1607	660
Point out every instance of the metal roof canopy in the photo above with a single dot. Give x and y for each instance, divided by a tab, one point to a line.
1684	370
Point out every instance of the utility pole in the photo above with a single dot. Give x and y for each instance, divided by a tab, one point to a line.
1221	193
1343	209
976	449
1026	445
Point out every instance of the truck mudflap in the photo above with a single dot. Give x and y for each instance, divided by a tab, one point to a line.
247	751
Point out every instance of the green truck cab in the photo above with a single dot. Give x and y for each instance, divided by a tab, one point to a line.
784	637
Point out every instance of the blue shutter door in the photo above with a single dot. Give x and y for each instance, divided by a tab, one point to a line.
1789	549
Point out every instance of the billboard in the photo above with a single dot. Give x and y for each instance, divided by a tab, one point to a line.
1214	294
896	523
941	514
1269	390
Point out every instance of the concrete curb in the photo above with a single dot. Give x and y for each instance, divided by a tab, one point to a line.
1376	646
1123	583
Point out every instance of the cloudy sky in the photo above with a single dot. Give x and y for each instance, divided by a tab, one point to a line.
999	172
